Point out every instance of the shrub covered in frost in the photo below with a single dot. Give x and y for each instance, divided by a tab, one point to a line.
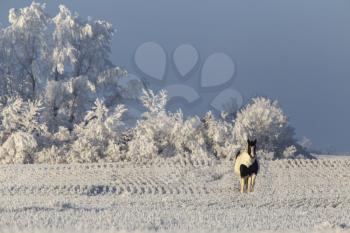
160	133
52	155
264	120
18	148
266	155
290	152
218	135
98	137
21	115
23	133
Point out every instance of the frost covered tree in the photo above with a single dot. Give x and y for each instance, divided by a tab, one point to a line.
67	102
81	65
264	120
306	143
109	88
63	59
25	51
80	47
5	87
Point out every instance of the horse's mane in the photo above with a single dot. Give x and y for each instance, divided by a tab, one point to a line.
246	149
238	153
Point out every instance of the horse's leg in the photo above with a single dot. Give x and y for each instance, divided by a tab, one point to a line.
253	181
242	184
249	189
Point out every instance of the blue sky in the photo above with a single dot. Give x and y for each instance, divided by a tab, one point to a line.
295	51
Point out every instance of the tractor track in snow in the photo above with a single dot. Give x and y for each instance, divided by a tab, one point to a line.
101	179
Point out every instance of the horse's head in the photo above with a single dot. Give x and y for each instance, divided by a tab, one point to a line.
252	148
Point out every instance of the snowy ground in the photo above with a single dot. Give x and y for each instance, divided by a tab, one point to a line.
169	196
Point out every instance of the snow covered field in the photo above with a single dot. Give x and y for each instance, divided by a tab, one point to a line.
169	195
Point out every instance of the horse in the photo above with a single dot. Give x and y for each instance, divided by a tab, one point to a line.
247	167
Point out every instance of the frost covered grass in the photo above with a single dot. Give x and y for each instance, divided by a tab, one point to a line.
323	228
169	195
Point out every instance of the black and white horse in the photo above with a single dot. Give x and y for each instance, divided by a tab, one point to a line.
247	167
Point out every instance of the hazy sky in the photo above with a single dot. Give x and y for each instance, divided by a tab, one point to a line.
295	51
